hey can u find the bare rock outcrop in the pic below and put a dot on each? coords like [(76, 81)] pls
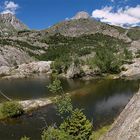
[(12, 56), (73, 71), (81, 15), (131, 71), (135, 46), (35, 103), (26, 70), (10, 20), (127, 126)]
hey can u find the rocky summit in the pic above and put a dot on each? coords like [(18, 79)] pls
[(81, 15), (9, 24)]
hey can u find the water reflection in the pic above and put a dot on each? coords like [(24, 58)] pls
[(102, 101), (112, 103)]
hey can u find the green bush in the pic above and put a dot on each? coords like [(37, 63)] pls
[(127, 54), (57, 65), (25, 138), (64, 105), (84, 51), (77, 125), (61, 64), (55, 87), (106, 60), (55, 134), (11, 109), (63, 102)]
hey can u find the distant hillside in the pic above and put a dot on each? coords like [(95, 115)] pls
[(81, 33), (77, 27)]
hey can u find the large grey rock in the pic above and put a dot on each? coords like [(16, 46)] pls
[(131, 71), (4, 70), (36, 103), (135, 46), (73, 71), (27, 70), (35, 67), (127, 126), (12, 56)]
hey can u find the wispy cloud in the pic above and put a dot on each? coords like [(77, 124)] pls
[(9, 7), (129, 16)]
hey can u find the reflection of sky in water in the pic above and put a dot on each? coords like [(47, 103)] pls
[(102, 101), (109, 104)]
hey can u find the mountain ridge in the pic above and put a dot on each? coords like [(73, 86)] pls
[(34, 43)]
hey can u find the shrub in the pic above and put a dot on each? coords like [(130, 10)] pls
[(77, 125), (55, 134), (64, 105), (84, 51), (61, 64), (55, 87), (11, 109), (107, 60), (25, 138), (57, 65), (128, 54), (63, 102)]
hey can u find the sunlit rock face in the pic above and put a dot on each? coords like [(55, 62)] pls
[(9, 24), (10, 19), (81, 15)]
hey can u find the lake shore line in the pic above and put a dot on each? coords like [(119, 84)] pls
[(31, 70)]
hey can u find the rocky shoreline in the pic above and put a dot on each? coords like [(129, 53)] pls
[(27, 70), (131, 71)]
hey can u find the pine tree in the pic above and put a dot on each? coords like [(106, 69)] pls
[(77, 125)]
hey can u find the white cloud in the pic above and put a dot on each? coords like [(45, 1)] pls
[(134, 11), (123, 16), (10, 7)]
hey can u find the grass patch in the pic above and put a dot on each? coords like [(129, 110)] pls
[(97, 134)]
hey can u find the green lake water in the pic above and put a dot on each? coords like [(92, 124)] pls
[(101, 101)]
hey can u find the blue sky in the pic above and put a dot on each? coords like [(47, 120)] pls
[(40, 14)]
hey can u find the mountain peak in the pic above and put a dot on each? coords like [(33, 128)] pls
[(10, 20), (81, 15)]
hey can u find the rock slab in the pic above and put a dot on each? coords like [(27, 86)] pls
[(127, 126)]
